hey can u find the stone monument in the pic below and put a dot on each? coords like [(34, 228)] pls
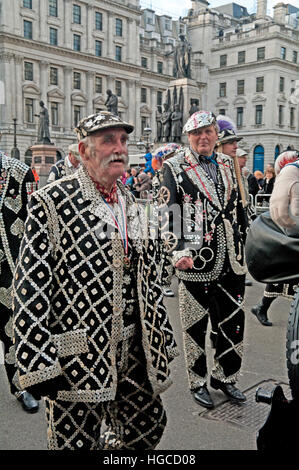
[(43, 151)]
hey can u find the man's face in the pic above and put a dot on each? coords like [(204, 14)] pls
[(107, 159), (242, 161), (203, 140), (230, 148)]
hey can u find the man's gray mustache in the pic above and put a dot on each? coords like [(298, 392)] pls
[(114, 157)]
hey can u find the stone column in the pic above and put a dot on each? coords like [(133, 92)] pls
[(89, 91), (5, 77), (89, 29), (153, 106), (131, 101), (110, 36), (43, 27), (137, 109), (68, 36), (67, 102), (44, 79), (18, 92)]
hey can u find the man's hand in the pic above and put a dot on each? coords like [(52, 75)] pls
[(184, 263), (285, 195)]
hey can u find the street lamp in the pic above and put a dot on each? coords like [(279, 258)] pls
[(147, 132), (15, 152)]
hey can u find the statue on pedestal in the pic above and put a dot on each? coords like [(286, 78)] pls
[(43, 133), (176, 124), (182, 59), (166, 123), (112, 103), (194, 107), (159, 124)]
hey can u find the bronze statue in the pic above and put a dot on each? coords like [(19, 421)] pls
[(182, 58), (43, 133), (159, 124), (166, 122), (176, 124), (112, 102)]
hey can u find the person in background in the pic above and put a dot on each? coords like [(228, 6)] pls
[(279, 209), (259, 175), (36, 177), (17, 183), (65, 166), (162, 154)]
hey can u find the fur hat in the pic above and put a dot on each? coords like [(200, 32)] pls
[(99, 121), (227, 130)]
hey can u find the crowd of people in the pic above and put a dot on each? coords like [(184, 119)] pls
[(84, 324)]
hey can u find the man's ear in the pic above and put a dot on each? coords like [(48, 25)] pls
[(82, 150)]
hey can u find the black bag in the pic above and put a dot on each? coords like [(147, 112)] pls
[(272, 255)]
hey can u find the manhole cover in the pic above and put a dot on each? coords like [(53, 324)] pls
[(250, 414)]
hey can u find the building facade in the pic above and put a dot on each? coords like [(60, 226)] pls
[(68, 53)]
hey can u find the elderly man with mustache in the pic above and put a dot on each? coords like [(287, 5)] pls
[(91, 332)]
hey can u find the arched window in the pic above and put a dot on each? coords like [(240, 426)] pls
[(258, 158), (277, 152)]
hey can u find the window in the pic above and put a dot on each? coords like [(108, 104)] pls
[(77, 42), (53, 76), (143, 123), (258, 114), (27, 4), (53, 36), (281, 83), (259, 84), (27, 29), (292, 117), (241, 57), (98, 48), (77, 80), (280, 115), (222, 89), (118, 53), (118, 27), (98, 84), (118, 87), (240, 87), (28, 71), (143, 95), (77, 114), (28, 109), (98, 21), (283, 53), (53, 10), (77, 14), (160, 67), (222, 111), (260, 55), (168, 25), (223, 60), (295, 57), (240, 114), (54, 114), (144, 62)]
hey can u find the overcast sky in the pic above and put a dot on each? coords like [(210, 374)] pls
[(179, 7)]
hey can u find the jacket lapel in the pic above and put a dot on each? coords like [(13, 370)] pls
[(200, 179)]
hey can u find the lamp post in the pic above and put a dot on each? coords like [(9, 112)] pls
[(15, 153)]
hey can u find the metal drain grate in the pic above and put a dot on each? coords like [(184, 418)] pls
[(250, 414)]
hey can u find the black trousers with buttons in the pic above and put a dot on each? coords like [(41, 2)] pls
[(222, 302)]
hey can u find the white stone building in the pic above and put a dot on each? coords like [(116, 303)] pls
[(68, 53), (250, 64)]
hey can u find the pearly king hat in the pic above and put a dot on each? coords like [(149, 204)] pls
[(199, 119), (227, 130), (99, 121)]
